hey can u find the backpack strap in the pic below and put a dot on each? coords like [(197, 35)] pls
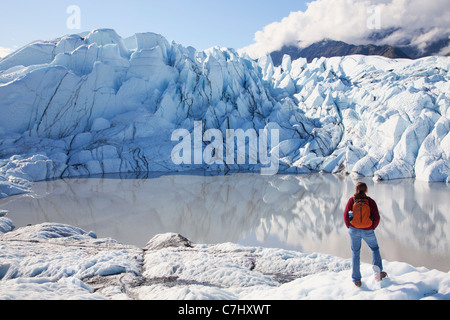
[(361, 199)]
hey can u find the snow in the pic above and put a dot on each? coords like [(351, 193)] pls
[(54, 261), (364, 116)]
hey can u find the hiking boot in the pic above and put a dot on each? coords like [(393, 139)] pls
[(358, 284), (381, 276)]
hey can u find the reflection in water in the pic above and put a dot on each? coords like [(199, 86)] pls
[(300, 212)]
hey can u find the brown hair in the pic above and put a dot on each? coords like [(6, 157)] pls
[(361, 190)]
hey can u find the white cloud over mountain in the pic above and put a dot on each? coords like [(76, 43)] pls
[(354, 21), (5, 51)]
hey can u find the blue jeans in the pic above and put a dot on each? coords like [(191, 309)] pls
[(369, 237)]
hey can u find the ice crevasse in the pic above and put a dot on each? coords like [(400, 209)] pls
[(99, 103)]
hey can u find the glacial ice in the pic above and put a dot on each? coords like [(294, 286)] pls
[(6, 225), (102, 104)]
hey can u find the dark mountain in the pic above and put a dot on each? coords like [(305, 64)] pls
[(331, 48), (430, 49)]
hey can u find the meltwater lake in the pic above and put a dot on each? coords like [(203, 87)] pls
[(294, 212)]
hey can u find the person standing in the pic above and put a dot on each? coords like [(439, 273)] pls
[(361, 217)]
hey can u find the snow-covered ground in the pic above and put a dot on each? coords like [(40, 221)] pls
[(97, 103), (54, 261)]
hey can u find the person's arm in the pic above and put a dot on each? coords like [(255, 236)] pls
[(375, 213), (348, 208)]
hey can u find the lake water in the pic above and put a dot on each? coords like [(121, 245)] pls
[(295, 212)]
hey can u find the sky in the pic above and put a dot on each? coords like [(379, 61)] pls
[(197, 23), (413, 22), (255, 27)]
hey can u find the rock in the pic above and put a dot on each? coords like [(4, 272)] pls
[(168, 240)]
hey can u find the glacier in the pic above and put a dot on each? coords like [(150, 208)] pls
[(98, 103)]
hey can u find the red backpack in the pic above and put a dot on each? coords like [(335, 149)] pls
[(362, 218)]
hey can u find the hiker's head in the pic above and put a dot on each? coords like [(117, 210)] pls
[(361, 190)]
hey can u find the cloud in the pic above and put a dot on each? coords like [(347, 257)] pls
[(354, 21), (5, 51), (445, 51)]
